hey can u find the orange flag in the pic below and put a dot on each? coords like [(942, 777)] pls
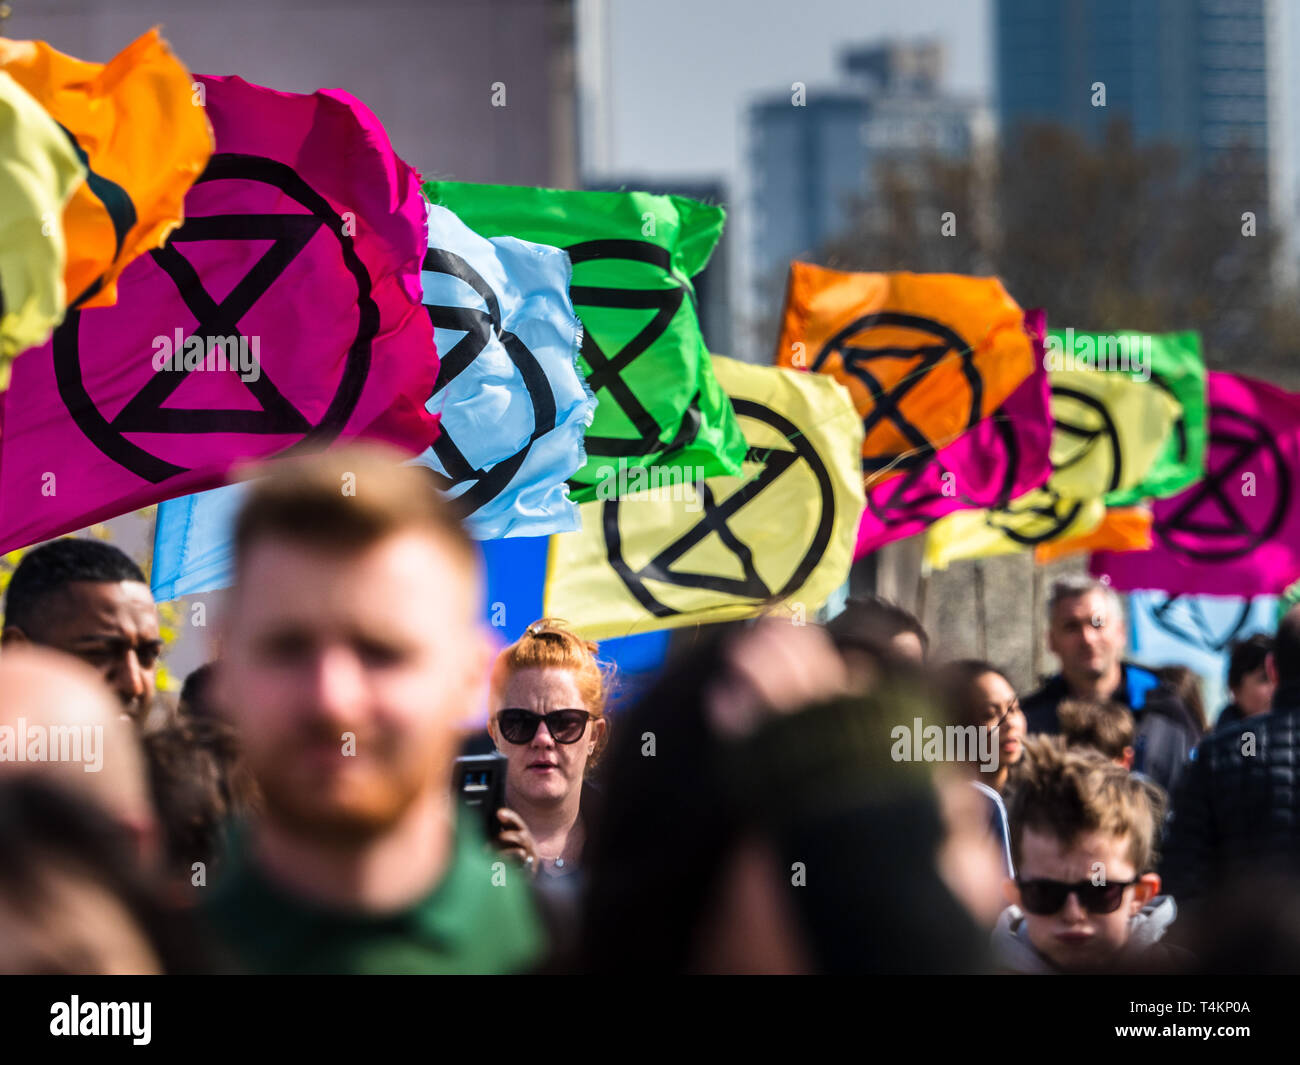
[(924, 356), (139, 129), (1123, 529)]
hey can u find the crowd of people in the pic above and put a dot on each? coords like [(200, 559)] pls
[(748, 811)]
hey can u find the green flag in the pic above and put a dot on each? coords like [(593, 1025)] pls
[(633, 256), (1173, 363), (1287, 600)]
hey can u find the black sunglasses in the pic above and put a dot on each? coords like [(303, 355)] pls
[(1045, 897), (520, 726)]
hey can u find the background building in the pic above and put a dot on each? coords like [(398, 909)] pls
[(427, 70), (1204, 76), (713, 283), (813, 159)]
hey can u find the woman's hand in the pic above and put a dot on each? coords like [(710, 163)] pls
[(515, 841)]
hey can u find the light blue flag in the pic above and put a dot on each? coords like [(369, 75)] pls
[(1196, 631), (513, 401)]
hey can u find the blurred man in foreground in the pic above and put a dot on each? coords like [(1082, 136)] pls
[(88, 599), (352, 648)]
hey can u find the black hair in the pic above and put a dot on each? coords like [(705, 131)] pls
[(195, 699), (870, 622), (819, 787), (957, 685), (1247, 656), (47, 569)]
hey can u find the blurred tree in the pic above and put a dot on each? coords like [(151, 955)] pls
[(1110, 236)]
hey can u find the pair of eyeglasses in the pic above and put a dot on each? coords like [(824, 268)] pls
[(996, 723), (1045, 897), (520, 726)]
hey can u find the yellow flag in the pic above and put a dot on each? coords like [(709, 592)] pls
[(140, 131), (1109, 429), (38, 172), (780, 535), (925, 356)]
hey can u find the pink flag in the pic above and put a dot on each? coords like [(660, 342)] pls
[(284, 314), (1002, 457), (1237, 532)]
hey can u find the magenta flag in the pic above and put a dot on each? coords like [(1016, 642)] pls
[(1001, 457), (284, 315), (1237, 532)]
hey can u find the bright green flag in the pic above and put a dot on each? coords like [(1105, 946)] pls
[(634, 254), (1287, 600), (1173, 363)]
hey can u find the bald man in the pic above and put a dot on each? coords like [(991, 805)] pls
[(58, 719)]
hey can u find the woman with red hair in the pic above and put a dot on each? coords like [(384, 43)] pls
[(548, 719)]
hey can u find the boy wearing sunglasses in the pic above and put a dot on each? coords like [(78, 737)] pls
[(1083, 837)]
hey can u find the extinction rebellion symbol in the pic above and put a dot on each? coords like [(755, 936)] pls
[(606, 369), (869, 364), (273, 413), (749, 586), (481, 328), (1213, 521), (1083, 430)]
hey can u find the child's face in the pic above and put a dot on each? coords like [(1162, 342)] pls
[(1072, 938)]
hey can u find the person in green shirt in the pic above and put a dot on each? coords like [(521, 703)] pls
[(351, 649)]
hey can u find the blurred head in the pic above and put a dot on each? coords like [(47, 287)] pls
[(1186, 684), (1085, 628), (72, 900), (549, 670), (1104, 727), (352, 642), (871, 630), (86, 598), (199, 785), (1083, 835), (752, 803), (1248, 678), (980, 694), (86, 744)]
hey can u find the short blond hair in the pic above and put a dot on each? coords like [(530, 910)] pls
[(1064, 793)]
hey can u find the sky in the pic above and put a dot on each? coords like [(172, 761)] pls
[(679, 76), (681, 72)]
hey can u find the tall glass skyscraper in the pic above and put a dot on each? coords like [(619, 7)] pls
[(1194, 73)]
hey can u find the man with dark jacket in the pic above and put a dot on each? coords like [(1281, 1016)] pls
[(1237, 808), (1086, 631)]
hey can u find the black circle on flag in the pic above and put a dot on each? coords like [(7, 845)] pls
[(1083, 429), (606, 367), (1183, 618), (480, 327), (714, 519), (276, 414), (942, 343), (1207, 523), (900, 500)]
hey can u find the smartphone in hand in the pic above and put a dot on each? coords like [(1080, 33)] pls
[(479, 785)]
